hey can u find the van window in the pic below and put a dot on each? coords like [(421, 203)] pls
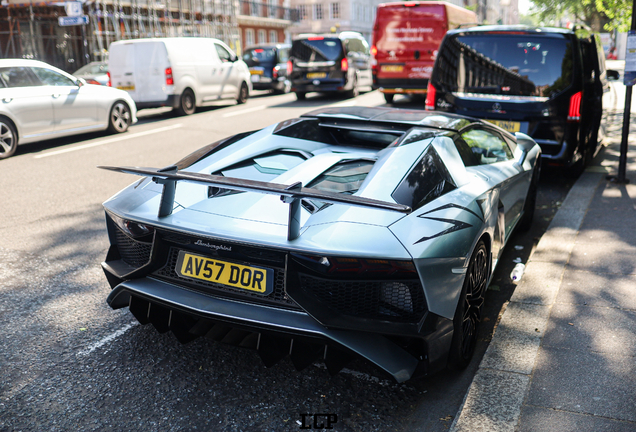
[(521, 65), (224, 54), (257, 56), (317, 49), (283, 55)]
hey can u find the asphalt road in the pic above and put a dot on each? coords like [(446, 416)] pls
[(69, 362)]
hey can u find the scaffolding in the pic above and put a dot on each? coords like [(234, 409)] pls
[(112, 20)]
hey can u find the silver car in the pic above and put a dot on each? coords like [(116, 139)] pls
[(42, 102)]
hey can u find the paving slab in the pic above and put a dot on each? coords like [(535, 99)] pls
[(598, 329), (611, 257), (597, 289), (539, 284), (536, 419), (584, 382)]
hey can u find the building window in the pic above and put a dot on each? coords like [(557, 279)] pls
[(261, 37), (249, 37), (302, 12), (318, 12), (272, 8), (334, 11), (273, 36)]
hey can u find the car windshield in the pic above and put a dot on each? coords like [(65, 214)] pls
[(258, 56), (92, 69), (508, 64), (317, 49)]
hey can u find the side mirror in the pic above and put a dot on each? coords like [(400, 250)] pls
[(526, 144), (80, 82), (613, 75)]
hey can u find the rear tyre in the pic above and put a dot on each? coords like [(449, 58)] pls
[(120, 117), (187, 103), (8, 139), (243, 94), (531, 199), (468, 313), (388, 97), (355, 91), (301, 95)]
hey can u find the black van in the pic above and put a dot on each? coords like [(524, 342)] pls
[(546, 82), (330, 63), (268, 66)]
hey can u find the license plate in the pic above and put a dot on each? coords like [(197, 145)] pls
[(254, 279), (391, 68), (127, 88), (316, 75), (510, 126), (256, 72)]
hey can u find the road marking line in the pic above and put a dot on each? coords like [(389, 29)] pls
[(344, 104), (106, 340), (107, 141), (245, 111)]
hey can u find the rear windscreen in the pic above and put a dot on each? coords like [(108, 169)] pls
[(259, 56), (319, 49), (508, 64)]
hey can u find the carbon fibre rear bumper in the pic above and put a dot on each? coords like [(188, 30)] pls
[(375, 348)]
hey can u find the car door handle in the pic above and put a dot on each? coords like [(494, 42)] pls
[(7, 100), (55, 96)]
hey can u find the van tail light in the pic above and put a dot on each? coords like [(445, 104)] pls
[(110, 83), (290, 67), (344, 65), (169, 80), (374, 50), (275, 73), (574, 114), (431, 93)]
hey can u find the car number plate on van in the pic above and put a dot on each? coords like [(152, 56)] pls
[(255, 279), (127, 88), (313, 75), (256, 72), (391, 68), (510, 126)]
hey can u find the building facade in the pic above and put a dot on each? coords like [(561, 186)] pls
[(265, 22), (45, 31)]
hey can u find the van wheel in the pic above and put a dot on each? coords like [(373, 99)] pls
[(301, 95), (388, 97), (120, 117), (8, 139), (243, 94), (187, 103), (355, 91)]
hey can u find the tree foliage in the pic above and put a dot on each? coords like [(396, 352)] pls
[(598, 14), (618, 12)]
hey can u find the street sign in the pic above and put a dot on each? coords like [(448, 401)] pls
[(73, 8), (71, 21)]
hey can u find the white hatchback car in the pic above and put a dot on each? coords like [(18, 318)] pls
[(39, 102)]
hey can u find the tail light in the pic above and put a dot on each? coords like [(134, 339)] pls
[(574, 114), (359, 267), (431, 93), (344, 65), (110, 84), (374, 50), (290, 67), (275, 72), (169, 80)]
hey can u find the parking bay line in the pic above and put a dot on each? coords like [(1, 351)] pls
[(108, 141), (245, 111), (106, 340)]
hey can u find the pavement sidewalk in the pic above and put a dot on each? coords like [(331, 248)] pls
[(563, 356)]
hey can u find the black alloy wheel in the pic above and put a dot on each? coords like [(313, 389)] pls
[(120, 117), (243, 94), (187, 103), (8, 139), (468, 314)]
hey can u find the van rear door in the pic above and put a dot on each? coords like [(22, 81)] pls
[(139, 67)]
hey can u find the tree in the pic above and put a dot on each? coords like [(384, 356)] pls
[(618, 12), (578, 11)]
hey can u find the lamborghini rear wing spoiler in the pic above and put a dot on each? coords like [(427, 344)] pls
[(290, 194)]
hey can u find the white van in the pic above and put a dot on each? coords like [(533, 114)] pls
[(182, 72)]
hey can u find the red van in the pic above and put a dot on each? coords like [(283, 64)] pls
[(406, 36)]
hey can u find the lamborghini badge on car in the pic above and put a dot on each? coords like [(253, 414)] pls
[(347, 232)]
